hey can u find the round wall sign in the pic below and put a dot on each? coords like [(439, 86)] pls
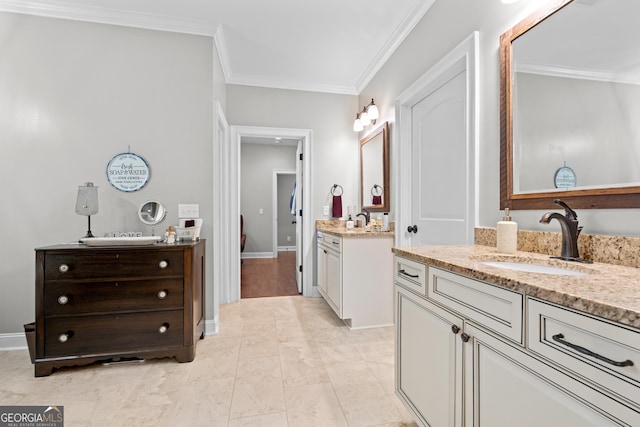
[(127, 172), (565, 178)]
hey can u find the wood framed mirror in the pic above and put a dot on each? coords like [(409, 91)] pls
[(564, 111), (374, 170)]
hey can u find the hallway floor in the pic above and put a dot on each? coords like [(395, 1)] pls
[(269, 277), (282, 362)]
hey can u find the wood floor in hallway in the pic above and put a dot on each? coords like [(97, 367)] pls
[(269, 277)]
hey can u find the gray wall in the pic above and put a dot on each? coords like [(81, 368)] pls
[(334, 148), (257, 163), (72, 95), (444, 26)]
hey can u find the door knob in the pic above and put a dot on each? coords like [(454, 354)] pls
[(412, 228)]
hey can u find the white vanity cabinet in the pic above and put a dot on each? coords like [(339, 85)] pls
[(466, 355), (355, 278)]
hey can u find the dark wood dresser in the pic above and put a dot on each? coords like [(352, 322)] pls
[(118, 302)]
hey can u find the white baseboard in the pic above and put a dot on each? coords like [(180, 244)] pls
[(257, 255), (286, 248), (211, 327), (17, 341)]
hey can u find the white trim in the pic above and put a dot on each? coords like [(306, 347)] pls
[(101, 15), (546, 70), (467, 51), (211, 327), (14, 341), (410, 20), (286, 248), (308, 229), (254, 255)]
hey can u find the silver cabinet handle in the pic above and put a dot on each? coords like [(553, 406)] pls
[(63, 337), (163, 264), (163, 328), (162, 294), (63, 299), (63, 268)]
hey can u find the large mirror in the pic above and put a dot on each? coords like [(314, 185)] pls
[(570, 102), (374, 170)]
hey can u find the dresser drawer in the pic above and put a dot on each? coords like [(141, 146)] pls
[(103, 297), (490, 306), (112, 263), (410, 275), (85, 335), (598, 350)]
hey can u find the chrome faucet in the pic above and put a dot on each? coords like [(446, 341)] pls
[(367, 216), (570, 231)]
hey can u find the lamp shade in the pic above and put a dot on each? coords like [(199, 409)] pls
[(87, 200), (373, 112), (357, 124), (364, 118)]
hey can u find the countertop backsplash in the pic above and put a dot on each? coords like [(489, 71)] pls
[(617, 250)]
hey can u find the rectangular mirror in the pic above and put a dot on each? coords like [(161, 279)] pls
[(374, 170), (570, 95)]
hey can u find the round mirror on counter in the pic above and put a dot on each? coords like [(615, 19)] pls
[(152, 212)]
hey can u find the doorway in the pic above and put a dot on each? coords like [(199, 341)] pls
[(305, 243), (438, 139)]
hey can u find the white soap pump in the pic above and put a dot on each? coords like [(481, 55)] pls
[(507, 234)]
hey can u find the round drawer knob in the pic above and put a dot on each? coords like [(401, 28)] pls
[(63, 268), (63, 299), (63, 337), (465, 337), (163, 328), (163, 264), (162, 294)]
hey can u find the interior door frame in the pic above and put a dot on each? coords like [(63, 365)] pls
[(402, 173), (308, 228)]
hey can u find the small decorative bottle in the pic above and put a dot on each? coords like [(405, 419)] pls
[(507, 234)]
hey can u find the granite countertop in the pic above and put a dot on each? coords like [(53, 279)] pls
[(605, 290), (354, 232)]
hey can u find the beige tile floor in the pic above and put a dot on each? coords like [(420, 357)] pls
[(285, 361)]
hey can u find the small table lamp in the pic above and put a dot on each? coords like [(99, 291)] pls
[(87, 203)]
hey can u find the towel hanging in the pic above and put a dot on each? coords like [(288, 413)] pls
[(336, 209)]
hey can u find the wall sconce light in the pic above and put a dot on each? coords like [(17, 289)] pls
[(87, 203), (367, 116)]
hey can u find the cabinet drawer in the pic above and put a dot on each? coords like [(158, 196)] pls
[(113, 333), (498, 309), (596, 347), (411, 275), (332, 242), (112, 263), (104, 297)]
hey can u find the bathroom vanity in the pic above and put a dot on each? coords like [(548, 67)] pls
[(354, 275), (117, 302), (482, 345)]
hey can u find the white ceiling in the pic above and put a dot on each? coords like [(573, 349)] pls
[(333, 46)]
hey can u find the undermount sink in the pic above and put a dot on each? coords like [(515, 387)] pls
[(533, 268)]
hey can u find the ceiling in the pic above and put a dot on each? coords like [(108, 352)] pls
[(333, 46)]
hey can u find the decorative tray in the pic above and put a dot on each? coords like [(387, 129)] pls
[(120, 241)]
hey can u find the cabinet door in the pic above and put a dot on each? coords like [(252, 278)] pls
[(322, 271), (428, 361), (511, 388), (334, 282)]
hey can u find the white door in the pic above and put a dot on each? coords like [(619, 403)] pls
[(439, 166), (298, 209), (437, 178)]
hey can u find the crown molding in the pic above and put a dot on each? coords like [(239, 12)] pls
[(56, 9), (246, 80), (552, 71), (410, 20)]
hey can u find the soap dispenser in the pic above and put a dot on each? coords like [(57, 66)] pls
[(507, 234), (350, 222)]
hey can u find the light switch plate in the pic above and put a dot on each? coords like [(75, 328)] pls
[(188, 211), (325, 210)]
